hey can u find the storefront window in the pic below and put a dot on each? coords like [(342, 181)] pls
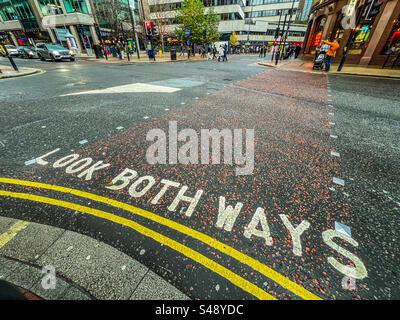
[(47, 7), (361, 37), (317, 36), (338, 30), (75, 6), (394, 38)]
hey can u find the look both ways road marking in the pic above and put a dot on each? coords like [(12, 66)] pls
[(190, 253), (128, 88)]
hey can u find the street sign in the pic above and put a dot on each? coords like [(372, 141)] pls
[(187, 32), (60, 33)]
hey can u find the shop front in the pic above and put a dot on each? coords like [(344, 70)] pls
[(372, 38)]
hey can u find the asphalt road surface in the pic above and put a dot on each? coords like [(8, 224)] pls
[(315, 216)]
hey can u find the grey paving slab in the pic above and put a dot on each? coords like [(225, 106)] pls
[(73, 293), (7, 266), (24, 276), (153, 287), (32, 242), (6, 223), (55, 293), (103, 271)]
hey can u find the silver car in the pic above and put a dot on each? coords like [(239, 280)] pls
[(53, 52), (12, 50), (28, 52)]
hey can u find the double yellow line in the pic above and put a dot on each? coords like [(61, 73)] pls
[(208, 263)]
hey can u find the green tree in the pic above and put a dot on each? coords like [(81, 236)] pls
[(192, 16)]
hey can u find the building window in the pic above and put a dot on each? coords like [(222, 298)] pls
[(75, 6), (164, 7), (262, 2), (229, 16), (49, 6), (22, 10), (267, 13), (7, 11)]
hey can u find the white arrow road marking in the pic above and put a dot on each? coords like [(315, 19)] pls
[(128, 88)]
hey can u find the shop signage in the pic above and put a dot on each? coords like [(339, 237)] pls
[(60, 33)]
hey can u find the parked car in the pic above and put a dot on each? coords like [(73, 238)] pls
[(54, 52), (27, 52), (12, 50)]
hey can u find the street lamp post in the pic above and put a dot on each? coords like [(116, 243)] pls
[(134, 35), (351, 38), (288, 26), (278, 54), (277, 31)]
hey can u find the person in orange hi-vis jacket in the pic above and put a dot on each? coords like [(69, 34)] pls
[(331, 52)]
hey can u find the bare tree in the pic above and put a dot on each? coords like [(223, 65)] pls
[(161, 22), (113, 13)]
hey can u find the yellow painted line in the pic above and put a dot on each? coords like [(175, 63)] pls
[(28, 75), (190, 253), (256, 265), (10, 233)]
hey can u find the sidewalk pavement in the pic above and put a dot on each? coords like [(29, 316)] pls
[(9, 72), (306, 66), (165, 57), (85, 268)]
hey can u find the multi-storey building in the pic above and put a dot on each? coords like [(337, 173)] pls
[(30, 21), (254, 21)]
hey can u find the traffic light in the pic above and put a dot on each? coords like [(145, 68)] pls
[(149, 27), (373, 9), (277, 32), (275, 43)]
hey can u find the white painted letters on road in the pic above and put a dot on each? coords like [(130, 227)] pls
[(251, 229), (227, 215), (359, 272)]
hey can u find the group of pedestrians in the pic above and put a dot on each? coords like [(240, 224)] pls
[(209, 52), (327, 48), (118, 49), (291, 52)]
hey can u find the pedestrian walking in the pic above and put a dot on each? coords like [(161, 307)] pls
[(118, 49), (220, 53), (209, 57), (182, 49), (333, 46), (214, 52), (225, 56), (297, 51)]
